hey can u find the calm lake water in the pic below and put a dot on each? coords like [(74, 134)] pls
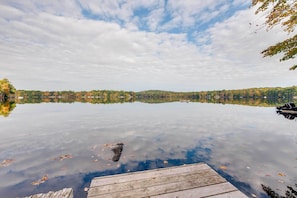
[(71, 144)]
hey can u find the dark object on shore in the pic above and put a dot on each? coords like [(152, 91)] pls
[(287, 108), (117, 150), (289, 116)]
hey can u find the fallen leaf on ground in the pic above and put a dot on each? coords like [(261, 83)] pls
[(44, 178), (281, 174), (36, 183), (40, 181), (6, 162), (62, 157), (223, 167), (65, 157)]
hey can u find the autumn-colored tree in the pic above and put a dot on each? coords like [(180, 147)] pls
[(282, 12), (6, 108), (6, 88)]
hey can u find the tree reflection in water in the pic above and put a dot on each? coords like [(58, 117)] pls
[(290, 192), (6, 108)]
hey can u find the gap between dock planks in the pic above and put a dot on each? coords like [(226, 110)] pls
[(195, 180)]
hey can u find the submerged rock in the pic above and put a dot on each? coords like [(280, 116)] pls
[(117, 150)]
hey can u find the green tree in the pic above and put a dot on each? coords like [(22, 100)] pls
[(282, 12)]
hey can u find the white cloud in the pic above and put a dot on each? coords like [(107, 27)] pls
[(41, 49), (187, 13), (238, 39), (55, 7), (153, 20)]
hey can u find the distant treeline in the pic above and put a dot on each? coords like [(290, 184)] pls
[(254, 96), (95, 96), (251, 97), (9, 96), (8, 92), (252, 93)]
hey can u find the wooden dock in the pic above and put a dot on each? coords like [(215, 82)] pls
[(64, 193), (195, 180)]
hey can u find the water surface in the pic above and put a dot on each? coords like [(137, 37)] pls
[(71, 144)]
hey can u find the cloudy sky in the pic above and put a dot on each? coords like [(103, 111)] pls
[(179, 45)]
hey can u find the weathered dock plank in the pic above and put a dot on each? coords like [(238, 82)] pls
[(148, 174), (195, 180), (202, 191), (64, 193)]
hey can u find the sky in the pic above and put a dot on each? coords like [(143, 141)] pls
[(135, 45)]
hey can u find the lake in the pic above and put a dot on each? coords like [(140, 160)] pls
[(49, 146)]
